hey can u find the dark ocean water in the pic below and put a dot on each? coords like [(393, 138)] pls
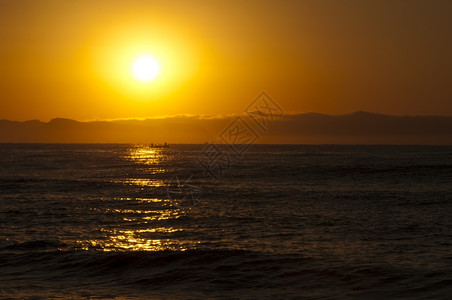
[(302, 222)]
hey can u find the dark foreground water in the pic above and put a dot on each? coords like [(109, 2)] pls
[(111, 221)]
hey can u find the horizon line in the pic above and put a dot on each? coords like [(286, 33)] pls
[(221, 116)]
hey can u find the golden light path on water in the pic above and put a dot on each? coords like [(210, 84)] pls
[(147, 155), (141, 182), (136, 228)]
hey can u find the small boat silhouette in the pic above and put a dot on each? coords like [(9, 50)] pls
[(165, 145)]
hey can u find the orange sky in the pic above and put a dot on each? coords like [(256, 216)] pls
[(73, 59)]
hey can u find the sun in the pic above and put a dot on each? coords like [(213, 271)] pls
[(146, 68)]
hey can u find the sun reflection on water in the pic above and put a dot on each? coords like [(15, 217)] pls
[(139, 229), (136, 240), (141, 182), (128, 240), (148, 155), (140, 224)]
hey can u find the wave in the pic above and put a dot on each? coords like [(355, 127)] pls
[(215, 272), (35, 245)]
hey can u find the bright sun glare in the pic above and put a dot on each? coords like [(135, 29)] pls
[(146, 68)]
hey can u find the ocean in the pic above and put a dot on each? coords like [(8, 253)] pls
[(107, 221)]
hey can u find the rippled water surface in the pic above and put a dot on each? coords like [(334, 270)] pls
[(134, 221)]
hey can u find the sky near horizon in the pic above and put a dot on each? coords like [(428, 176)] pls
[(74, 59)]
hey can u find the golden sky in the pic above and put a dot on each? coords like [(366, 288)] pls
[(74, 59)]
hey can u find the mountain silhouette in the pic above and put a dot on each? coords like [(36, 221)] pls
[(356, 128)]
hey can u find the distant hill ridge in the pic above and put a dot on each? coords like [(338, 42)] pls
[(358, 127)]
